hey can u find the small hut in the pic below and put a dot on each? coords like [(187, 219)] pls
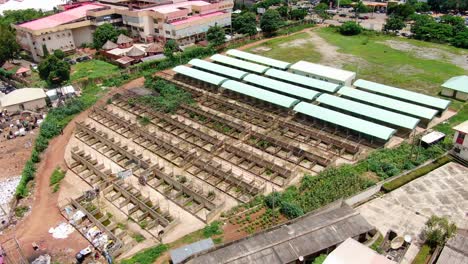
[(124, 41), (109, 45), (154, 49), (125, 61), (135, 53)]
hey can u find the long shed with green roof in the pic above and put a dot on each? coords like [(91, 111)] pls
[(303, 81), (456, 87), (259, 59)]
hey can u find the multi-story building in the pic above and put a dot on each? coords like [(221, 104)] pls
[(460, 140), (149, 21)]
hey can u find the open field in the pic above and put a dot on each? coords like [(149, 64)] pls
[(410, 64), (92, 69)]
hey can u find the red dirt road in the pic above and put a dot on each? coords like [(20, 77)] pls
[(45, 212)]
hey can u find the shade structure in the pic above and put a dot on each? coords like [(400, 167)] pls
[(346, 121), (372, 112), (389, 103), (258, 59), (308, 82), (200, 75), (216, 68), (261, 94), (245, 65), (285, 88), (401, 94)]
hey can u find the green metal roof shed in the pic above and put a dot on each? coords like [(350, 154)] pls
[(283, 87), (200, 75), (397, 105), (216, 68), (308, 82), (458, 83), (417, 98), (249, 66), (369, 111), (346, 121), (259, 59), (260, 94)]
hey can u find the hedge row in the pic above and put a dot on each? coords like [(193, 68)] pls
[(397, 183), (52, 126)]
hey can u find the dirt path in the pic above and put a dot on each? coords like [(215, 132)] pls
[(45, 213)]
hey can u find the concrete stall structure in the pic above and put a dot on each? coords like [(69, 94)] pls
[(456, 87), (322, 72), (460, 140), (23, 99)]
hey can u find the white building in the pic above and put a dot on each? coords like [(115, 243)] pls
[(23, 99), (460, 140), (324, 73), (456, 87)]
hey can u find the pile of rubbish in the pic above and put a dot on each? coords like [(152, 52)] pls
[(62, 231), (43, 259), (15, 126)]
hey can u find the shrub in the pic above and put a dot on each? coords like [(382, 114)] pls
[(273, 200), (212, 229), (35, 156), (21, 210), (438, 230), (147, 256), (291, 210), (350, 28)]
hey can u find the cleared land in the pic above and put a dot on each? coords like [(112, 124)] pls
[(92, 69)]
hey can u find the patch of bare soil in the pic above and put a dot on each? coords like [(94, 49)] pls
[(330, 54), (14, 153), (295, 43), (429, 53)]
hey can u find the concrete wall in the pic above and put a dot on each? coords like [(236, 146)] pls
[(461, 96), (82, 35), (447, 92), (31, 105)]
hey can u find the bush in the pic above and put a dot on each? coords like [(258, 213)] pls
[(55, 179), (273, 200), (397, 183), (147, 256), (212, 229), (35, 156), (291, 210), (350, 28), (438, 230)]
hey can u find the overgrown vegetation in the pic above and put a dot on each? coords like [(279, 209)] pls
[(147, 256), (213, 229), (169, 99), (320, 259), (52, 126), (92, 69), (376, 245), (397, 183), (55, 179), (20, 211), (438, 230), (423, 255), (138, 237)]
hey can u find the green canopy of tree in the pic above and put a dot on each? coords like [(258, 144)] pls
[(361, 8), (59, 54), (350, 28), (267, 3), (426, 28), (394, 24), (456, 22), (402, 11), (447, 5), (9, 47), (245, 23), (438, 230), (16, 16), (321, 11), (54, 71), (270, 21), (283, 11), (170, 47), (461, 39), (298, 14), (216, 35), (104, 33)]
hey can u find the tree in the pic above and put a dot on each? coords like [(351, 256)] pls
[(401, 11), (461, 39), (298, 14), (54, 71), (394, 24), (438, 230), (104, 33), (45, 51), (456, 22), (421, 7), (350, 28), (9, 47), (283, 11), (321, 11), (216, 35), (245, 23), (59, 54), (170, 47), (16, 16), (271, 21)]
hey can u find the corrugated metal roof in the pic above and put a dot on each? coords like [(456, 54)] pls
[(178, 255), (458, 83), (213, 67), (369, 111), (403, 94), (261, 94), (200, 75), (322, 70), (303, 80), (400, 106), (22, 95), (259, 59), (344, 120), (281, 86), (257, 68)]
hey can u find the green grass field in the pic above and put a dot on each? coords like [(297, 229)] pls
[(92, 69), (290, 49)]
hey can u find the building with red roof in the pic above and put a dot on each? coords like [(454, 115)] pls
[(184, 21)]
